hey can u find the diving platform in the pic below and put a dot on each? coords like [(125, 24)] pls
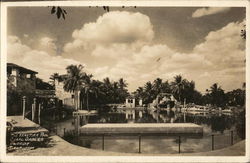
[(166, 129)]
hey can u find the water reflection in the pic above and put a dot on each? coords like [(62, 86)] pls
[(217, 122), (213, 123)]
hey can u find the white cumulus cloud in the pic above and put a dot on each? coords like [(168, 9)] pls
[(116, 27), (220, 58), (209, 11), (36, 60), (224, 47), (48, 44), (121, 44)]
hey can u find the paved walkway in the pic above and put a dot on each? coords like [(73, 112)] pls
[(60, 147), (25, 125)]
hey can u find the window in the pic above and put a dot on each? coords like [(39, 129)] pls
[(28, 76)]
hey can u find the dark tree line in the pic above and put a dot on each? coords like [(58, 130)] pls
[(184, 90), (96, 92), (92, 91)]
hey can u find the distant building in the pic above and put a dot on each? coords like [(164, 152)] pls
[(22, 87), (140, 102), (21, 82), (130, 102), (68, 98), (20, 77), (164, 100)]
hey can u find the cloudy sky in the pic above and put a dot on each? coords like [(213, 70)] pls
[(138, 44)]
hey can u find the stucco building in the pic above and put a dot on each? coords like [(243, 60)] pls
[(68, 98), (21, 78)]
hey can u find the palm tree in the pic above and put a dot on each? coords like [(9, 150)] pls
[(148, 87), (53, 77), (122, 91), (149, 92), (106, 81), (157, 85), (75, 79), (177, 86), (122, 83), (217, 94), (87, 88), (139, 92), (107, 86), (115, 92), (188, 91), (214, 87), (166, 87), (91, 86)]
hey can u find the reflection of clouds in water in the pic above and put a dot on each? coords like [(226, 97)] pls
[(159, 145), (196, 145), (152, 145), (122, 145), (206, 129)]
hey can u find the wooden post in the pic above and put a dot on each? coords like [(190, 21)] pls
[(103, 142), (32, 112), (212, 142), (39, 112), (232, 137), (179, 144), (56, 130), (184, 116), (78, 100), (77, 124), (139, 143), (24, 101)]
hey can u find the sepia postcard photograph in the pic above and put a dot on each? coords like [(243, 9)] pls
[(146, 81)]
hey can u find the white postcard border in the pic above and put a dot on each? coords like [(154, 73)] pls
[(5, 158)]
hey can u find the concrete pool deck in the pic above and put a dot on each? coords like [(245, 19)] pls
[(25, 125), (60, 147), (142, 128)]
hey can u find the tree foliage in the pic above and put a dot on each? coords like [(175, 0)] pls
[(184, 90), (243, 32), (179, 87), (61, 13), (58, 11), (40, 84), (96, 92), (92, 91)]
